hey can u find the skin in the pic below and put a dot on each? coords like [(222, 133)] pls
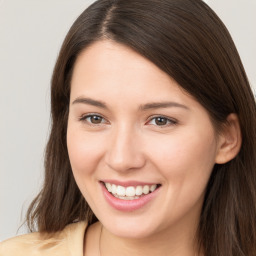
[(126, 143)]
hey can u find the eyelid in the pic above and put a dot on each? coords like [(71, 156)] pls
[(83, 118), (172, 121)]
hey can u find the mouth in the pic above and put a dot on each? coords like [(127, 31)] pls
[(130, 192)]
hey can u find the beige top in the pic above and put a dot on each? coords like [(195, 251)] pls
[(68, 242)]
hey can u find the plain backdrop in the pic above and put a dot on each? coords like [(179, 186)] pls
[(31, 33)]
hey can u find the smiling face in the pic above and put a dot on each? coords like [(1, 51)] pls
[(134, 132)]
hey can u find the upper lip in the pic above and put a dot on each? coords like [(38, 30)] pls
[(129, 183)]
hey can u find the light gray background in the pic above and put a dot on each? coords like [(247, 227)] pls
[(31, 33)]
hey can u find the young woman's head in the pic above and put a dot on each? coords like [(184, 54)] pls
[(152, 93)]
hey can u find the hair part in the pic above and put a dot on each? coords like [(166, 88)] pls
[(189, 42)]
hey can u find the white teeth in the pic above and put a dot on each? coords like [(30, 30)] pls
[(146, 189), (113, 188), (127, 197), (139, 191), (153, 187), (131, 192), (109, 187), (120, 191)]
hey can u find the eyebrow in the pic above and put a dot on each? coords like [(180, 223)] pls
[(90, 101), (145, 107), (156, 105)]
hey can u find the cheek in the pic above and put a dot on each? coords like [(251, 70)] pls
[(185, 158), (84, 152), (185, 163)]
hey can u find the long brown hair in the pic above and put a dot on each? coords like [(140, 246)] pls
[(187, 40)]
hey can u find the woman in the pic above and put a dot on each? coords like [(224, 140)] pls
[(152, 147)]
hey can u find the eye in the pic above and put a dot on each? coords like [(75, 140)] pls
[(93, 119), (161, 121)]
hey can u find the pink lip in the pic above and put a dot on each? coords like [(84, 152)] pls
[(127, 205)]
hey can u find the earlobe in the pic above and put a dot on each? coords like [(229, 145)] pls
[(230, 140)]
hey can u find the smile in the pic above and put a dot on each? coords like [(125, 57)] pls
[(129, 196), (130, 192)]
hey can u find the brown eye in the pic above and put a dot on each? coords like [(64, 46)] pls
[(95, 119), (161, 121)]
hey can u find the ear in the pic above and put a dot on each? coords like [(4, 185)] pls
[(229, 141)]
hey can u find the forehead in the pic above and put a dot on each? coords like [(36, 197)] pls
[(111, 57), (124, 82), (110, 67)]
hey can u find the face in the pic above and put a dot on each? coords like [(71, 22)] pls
[(141, 149)]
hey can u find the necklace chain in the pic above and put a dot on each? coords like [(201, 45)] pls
[(100, 240)]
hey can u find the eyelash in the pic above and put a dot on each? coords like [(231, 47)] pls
[(85, 117), (170, 122)]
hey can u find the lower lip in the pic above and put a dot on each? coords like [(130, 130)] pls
[(128, 205)]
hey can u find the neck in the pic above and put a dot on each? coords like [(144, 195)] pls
[(178, 244)]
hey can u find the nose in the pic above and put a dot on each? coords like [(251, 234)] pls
[(125, 150)]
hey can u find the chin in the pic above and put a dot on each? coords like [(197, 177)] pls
[(131, 228)]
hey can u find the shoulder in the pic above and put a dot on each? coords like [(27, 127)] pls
[(37, 244)]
